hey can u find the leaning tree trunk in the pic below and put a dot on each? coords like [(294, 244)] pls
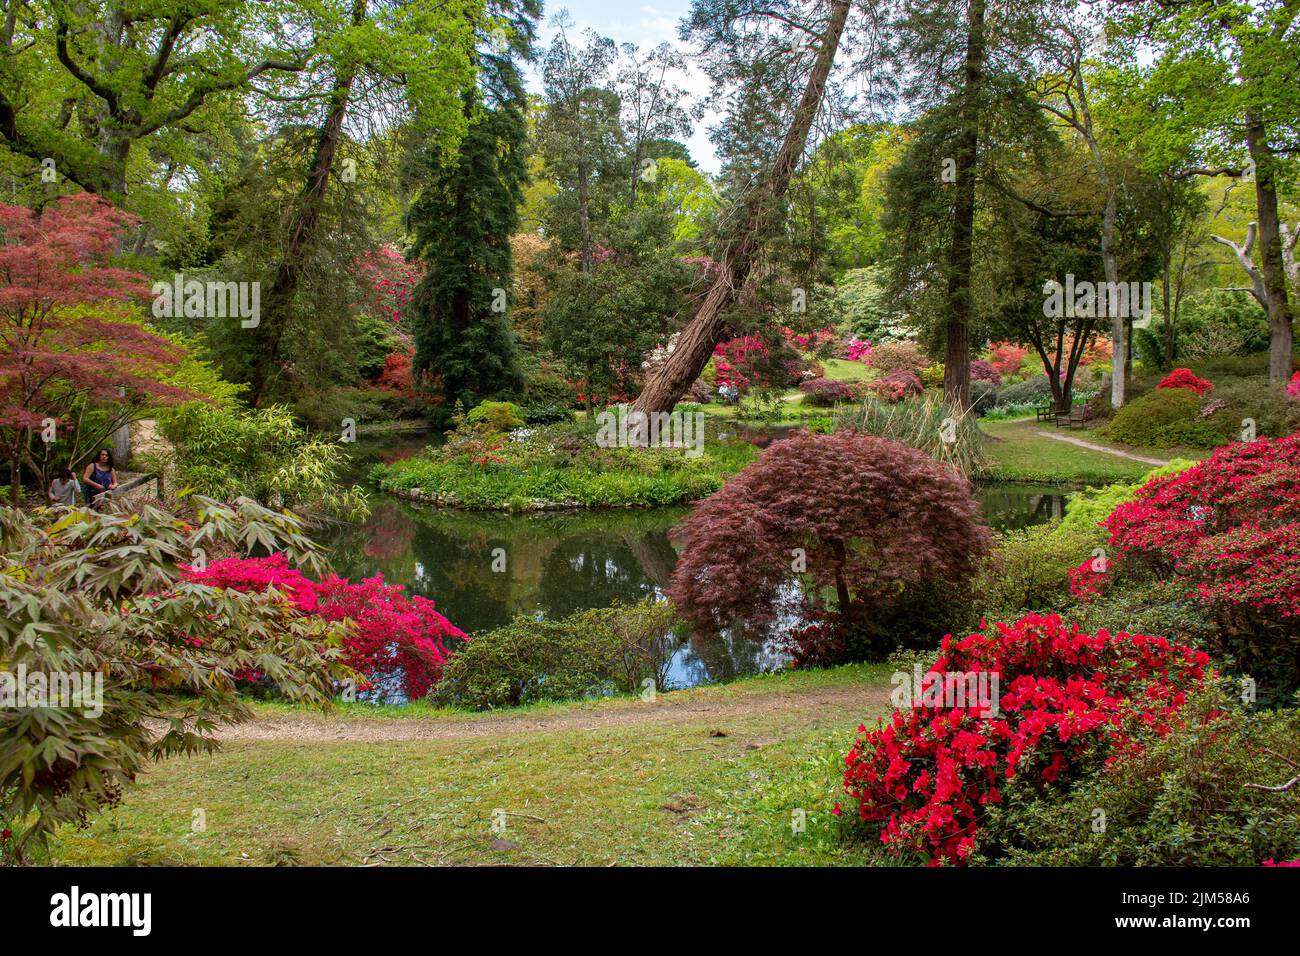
[(302, 231), (956, 359), (1281, 334), (696, 340)]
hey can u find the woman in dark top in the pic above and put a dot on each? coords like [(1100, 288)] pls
[(99, 477)]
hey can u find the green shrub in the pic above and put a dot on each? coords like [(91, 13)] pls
[(983, 395), (588, 654), (1255, 397), (546, 414), (1030, 391), (1088, 508), (499, 416), (102, 594), (1027, 569), (226, 452), (1147, 607), (932, 375), (1156, 418), (547, 389), (1190, 799)]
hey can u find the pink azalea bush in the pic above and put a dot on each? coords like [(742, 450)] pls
[(858, 350), (393, 634)]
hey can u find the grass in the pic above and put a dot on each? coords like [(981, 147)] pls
[(1019, 453), (705, 789), (563, 465)]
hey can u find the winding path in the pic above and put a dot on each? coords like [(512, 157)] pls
[(1102, 448), (678, 706)]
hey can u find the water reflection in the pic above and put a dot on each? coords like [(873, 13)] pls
[(559, 563)]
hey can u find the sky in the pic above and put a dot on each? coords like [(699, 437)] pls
[(647, 25)]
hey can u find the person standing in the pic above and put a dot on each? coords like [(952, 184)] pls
[(100, 476)]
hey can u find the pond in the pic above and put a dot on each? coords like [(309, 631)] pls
[(555, 563)]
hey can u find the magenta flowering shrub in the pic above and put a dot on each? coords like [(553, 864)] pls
[(393, 635)]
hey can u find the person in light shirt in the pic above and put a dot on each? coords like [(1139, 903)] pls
[(64, 488)]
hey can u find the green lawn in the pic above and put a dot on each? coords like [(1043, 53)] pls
[(710, 786), (1018, 453), (845, 371)]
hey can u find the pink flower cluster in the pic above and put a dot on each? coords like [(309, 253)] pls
[(858, 350), (392, 634)]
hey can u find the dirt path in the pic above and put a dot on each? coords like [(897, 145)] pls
[(680, 707), (1102, 448)]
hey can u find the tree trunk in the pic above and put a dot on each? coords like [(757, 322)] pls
[(956, 361), (1118, 346), (1281, 335), (302, 231), (695, 343)]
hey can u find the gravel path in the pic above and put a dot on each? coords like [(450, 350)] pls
[(1102, 448)]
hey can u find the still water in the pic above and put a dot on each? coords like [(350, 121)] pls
[(560, 562)]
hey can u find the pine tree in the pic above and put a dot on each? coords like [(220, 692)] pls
[(461, 223)]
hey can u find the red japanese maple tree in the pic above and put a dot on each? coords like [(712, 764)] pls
[(862, 517), (64, 343)]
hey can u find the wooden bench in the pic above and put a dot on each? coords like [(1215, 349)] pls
[(1045, 412), (1076, 417)]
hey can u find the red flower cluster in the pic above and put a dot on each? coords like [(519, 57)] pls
[(1068, 699), (809, 342), (1293, 386), (735, 362), (1230, 527), (1086, 581), (1007, 358), (388, 281), (1184, 378), (393, 634)]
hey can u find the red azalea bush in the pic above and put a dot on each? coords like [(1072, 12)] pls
[(1229, 530), (1007, 357), (982, 371), (826, 391), (1068, 701), (897, 385), (742, 362), (807, 342), (1086, 581), (858, 350), (393, 634), (1185, 378), (1229, 526), (1293, 387)]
